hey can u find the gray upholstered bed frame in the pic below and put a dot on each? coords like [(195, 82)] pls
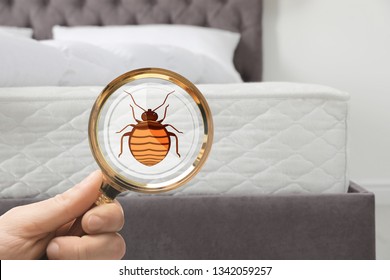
[(241, 16), (263, 227)]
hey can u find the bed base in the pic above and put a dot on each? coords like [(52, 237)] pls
[(326, 226)]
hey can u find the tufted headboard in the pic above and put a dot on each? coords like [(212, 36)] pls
[(243, 16)]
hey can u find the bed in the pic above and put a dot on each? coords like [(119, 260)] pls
[(275, 186)]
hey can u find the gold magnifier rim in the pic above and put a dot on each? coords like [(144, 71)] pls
[(118, 181)]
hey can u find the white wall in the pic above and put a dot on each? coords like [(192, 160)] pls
[(344, 44)]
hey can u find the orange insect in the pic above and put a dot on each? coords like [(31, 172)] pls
[(149, 140)]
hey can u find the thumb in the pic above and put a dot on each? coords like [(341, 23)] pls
[(50, 214)]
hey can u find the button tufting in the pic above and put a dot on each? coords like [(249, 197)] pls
[(114, 2), (45, 3), (8, 2), (81, 3)]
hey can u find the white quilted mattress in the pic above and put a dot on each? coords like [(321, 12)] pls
[(270, 138)]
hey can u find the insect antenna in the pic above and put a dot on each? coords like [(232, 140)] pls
[(164, 100), (135, 102)]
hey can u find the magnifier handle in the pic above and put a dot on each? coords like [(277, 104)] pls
[(76, 229)]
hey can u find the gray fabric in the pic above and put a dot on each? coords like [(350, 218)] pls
[(337, 226), (235, 15)]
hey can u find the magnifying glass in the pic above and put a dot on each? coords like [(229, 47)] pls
[(150, 131)]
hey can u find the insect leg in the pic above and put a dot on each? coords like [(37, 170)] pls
[(123, 136), (125, 128), (177, 142), (165, 125), (165, 114)]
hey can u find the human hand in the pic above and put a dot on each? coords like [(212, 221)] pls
[(30, 231)]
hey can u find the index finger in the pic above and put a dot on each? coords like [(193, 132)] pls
[(50, 214)]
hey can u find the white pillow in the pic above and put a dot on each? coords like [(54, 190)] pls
[(196, 67), (17, 31), (217, 44), (26, 62), (87, 64), (94, 65), (172, 58), (97, 65)]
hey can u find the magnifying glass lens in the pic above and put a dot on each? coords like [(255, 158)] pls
[(150, 131)]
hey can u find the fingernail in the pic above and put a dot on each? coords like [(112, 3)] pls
[(90, 176), (87, 179), (53, 250), (95, 223)]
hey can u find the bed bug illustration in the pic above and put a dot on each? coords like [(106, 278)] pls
[(149, 140)]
